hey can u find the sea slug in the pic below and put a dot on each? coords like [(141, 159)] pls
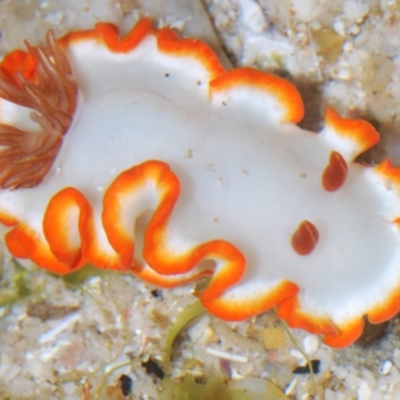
[(144, 155)]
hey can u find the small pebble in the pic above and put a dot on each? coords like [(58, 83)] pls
[(348, 46), (354, 30), (296, 354), (363, 392), (339, 27), (310, 344), (290, 388), (386, 367), (273, 338)]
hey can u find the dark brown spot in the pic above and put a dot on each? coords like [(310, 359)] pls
[(305, 238), (126, 384), (152, 367), (51, 95), (335, 172)]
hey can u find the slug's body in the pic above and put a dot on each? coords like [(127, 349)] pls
[(172, 168)]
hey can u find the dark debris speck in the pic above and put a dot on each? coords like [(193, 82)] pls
[(126, 384), (156, 293), (152, 367), (306, 369)]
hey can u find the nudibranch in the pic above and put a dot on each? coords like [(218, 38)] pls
[(142, 154)]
